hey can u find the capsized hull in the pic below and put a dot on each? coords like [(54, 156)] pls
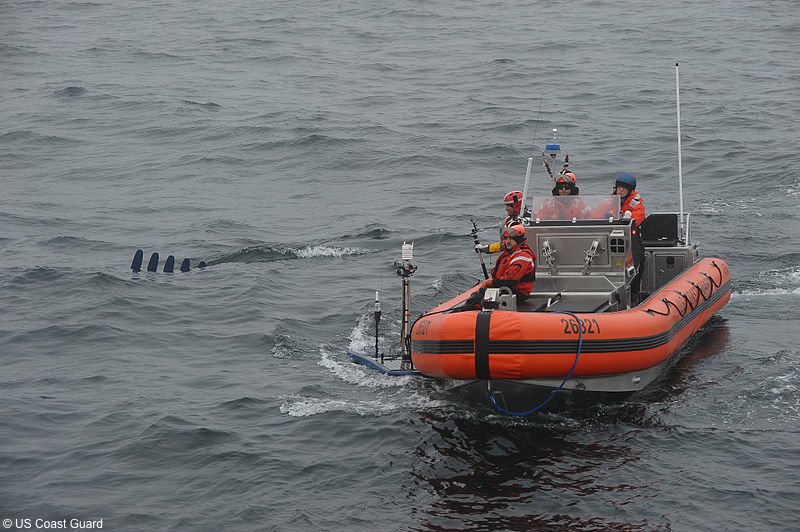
[(619, 351)]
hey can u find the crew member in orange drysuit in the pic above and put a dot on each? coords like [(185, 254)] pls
[(516, 267), (563, 209), (513, 202)]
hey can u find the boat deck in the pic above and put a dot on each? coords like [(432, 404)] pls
[(572, 302)]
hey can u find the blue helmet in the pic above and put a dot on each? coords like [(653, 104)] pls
[(626, 180)]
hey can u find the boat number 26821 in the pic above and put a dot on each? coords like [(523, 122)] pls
[(587, 326)]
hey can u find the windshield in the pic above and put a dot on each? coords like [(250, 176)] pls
[(574, 207)]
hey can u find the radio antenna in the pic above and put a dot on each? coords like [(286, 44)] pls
[(680, 167), (530, 159), (536, 125)]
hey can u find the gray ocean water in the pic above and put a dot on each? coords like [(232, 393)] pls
[(294, 146)]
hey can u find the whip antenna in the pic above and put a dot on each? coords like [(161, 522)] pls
[(680, 167), (536, 125), (530, 159)]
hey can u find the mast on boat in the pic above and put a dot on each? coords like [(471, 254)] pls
[(683, 230)]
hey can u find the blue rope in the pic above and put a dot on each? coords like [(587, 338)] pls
[(555, 392)]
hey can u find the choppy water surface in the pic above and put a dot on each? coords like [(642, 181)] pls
[(294, 147)]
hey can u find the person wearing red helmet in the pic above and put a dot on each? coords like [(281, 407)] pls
[(516, 267), (566, 208), (513, 203), (566, 185)]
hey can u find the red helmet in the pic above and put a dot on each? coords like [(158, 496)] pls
[(567, 177), (517, 232), (514, 198)]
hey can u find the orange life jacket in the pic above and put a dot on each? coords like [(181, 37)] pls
[(516, 270), (634, 203)]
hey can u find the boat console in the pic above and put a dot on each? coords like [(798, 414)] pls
[(585, 254)]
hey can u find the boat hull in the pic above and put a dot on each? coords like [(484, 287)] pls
[(611, 351)]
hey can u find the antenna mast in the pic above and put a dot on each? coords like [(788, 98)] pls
[(680, 166), (530, 160)]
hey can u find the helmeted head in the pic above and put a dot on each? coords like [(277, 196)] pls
[(513, 200), (627, 181), (566, 185), (512, 236)]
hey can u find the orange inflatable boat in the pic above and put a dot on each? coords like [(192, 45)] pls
[(620, 351), (581, 328), (613, 303), (581, 332)]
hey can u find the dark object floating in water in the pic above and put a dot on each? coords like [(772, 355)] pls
[(136, 265), (169, 264), (153, 264)]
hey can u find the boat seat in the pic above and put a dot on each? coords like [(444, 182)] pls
[(574, 302), (660, 230)]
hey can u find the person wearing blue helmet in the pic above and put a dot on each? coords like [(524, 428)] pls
[(632, 203), (632, 207)]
